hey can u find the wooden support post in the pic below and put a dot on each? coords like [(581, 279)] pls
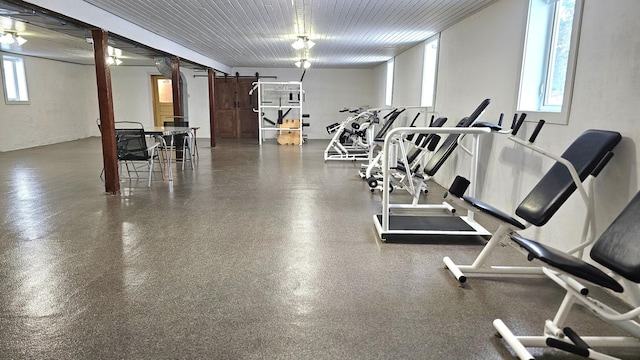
[(177, 90), (105, 103), (212, 123)]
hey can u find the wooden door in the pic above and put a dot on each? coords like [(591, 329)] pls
[(162, 93), (225, 108), (247, 118), (234, 108)]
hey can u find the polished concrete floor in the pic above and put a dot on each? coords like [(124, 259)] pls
[(258, 253)]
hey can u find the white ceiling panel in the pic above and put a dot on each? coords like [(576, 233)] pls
[(259, 33)]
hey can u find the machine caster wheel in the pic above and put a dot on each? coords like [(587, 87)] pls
[(373, 182), (390, 188)]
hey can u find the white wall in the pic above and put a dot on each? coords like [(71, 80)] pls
[(327, 91), (480, 58), (132, 99), (379, 76), (63, 106)]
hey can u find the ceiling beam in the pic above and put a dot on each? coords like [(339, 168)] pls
[(90, 14)]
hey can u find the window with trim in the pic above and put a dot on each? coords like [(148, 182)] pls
[(389, 86), (429, 71), (15, 80), (548, 65)]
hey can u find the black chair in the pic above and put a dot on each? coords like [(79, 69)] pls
[(618, 251), (180, 143), (132, 149), (587, 155)]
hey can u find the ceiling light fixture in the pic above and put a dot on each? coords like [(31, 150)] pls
[(303, 63), (12, 37), (302, 42)]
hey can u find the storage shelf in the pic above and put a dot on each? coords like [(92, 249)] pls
[(276, 96)]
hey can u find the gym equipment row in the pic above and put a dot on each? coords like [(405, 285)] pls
[(407, 165)]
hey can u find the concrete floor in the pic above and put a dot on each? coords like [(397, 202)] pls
[(259, 253)]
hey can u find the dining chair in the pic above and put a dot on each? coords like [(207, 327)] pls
[(133, 151)]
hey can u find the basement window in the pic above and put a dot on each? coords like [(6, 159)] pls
[(429, 71), (389, 86), (15, 80), (548, 65)]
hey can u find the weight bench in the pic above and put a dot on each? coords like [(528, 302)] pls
[(583, 159), (617, 250)]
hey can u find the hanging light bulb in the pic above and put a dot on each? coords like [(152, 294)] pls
[(7, 39), (298, 44), (20, 40), (310, 44), (306, 64), (298, 63)]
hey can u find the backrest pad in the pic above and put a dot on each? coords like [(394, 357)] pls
[(555, 187), (618, 248)]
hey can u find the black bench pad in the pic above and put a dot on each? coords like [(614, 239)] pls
[(567, 263), (585, 153), (488, 209)]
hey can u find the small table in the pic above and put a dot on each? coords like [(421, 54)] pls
[(167, 131)]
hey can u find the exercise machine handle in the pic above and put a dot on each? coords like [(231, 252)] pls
[(558, 344), (500, 119), (515, 121), (536, 131), (519, 123)]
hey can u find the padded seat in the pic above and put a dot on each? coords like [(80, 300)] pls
[(567, 263), (486, 208)]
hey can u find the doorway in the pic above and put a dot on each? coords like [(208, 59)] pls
[(162, 93), (234, 106)]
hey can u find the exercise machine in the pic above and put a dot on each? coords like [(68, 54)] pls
[(617, 250), (583, 160), (353, 137), (399, 220)]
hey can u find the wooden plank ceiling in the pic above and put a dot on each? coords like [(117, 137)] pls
[(259, 33)]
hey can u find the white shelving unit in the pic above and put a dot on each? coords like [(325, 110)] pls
[(279, 102)]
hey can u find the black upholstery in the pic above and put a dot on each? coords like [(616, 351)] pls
[(445, 150), (493, 211), (387, 125), (618, 248), (567, 263), (585, 153), (451, 142), (131, 145), (178, 138), (423, 140)]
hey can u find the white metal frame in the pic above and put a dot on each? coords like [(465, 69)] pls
[(382, 227), (335, 150), (504, 230), (627, 322), (262, 87)]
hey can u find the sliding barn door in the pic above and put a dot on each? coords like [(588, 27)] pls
[(234, 108)]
